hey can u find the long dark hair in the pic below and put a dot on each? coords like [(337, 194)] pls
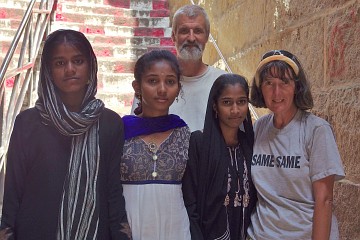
[(214, 153), (217, 89)]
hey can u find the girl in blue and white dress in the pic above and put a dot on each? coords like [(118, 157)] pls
[(155, 152)]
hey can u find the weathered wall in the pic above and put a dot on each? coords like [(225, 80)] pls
[(325, 35)]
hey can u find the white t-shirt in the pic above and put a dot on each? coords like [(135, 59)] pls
[(285, 163), (192, 101)]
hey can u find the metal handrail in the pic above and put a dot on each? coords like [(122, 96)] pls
[(213, 41), (34, 26)]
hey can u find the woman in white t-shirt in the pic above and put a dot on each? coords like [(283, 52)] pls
[(295, 160)]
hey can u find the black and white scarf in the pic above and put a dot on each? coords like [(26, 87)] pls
[(78, 211)]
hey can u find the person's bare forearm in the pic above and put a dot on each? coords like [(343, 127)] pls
[(322, 220), (323, 194)]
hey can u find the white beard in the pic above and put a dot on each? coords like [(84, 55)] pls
[(192, 53)]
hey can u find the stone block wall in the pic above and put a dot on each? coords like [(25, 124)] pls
[(325, 35)]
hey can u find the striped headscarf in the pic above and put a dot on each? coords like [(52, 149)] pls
[(78, 211)]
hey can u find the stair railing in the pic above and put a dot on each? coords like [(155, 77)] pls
[(228, 69), (34, 26)]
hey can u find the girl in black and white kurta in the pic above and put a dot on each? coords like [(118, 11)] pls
[(217, 186)]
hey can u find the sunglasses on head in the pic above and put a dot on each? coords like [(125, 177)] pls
[(276, 55), (277, 52)]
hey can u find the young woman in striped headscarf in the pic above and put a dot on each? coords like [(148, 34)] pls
[(62, 177)]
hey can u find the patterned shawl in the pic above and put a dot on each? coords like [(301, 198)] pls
[(78, 212)]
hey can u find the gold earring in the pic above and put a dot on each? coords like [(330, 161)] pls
[(138, 95)]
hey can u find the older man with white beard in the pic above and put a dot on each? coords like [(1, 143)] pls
[(190, 33)]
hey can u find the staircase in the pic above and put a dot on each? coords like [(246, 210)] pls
[(119, 31)]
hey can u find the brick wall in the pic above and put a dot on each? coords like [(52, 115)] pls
[(119, 31)]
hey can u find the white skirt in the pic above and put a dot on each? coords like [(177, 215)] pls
[(156, 212)]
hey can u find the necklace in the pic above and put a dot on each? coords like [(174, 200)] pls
[(153, 148), (239, 200)]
